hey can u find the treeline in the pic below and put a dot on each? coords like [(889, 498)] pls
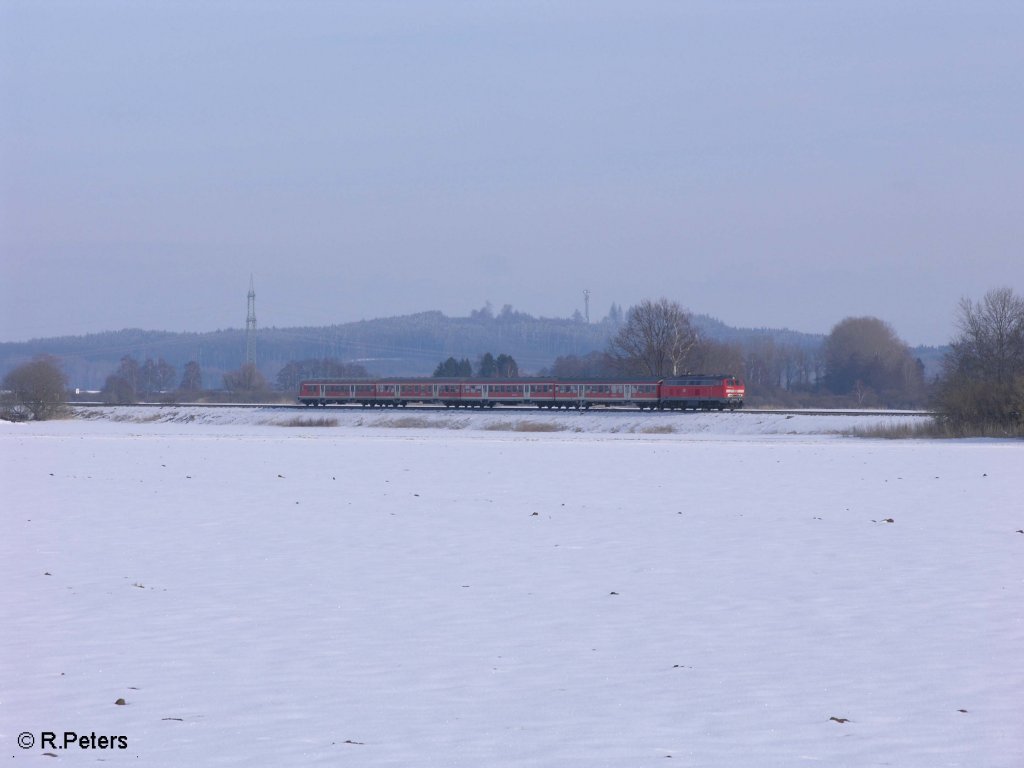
[(133, 381), (487, 367), (410, 345), (860, 363)]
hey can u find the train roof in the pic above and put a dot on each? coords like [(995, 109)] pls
[(482, 379), (691, 376), (517, 379)]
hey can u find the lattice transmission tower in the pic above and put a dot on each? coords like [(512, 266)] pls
[(250, 327)]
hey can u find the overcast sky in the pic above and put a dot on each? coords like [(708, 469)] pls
[(770, 163)]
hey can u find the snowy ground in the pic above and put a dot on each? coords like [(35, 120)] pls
[(478, 592)]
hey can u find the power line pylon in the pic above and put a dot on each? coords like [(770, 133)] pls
[(250, 327)]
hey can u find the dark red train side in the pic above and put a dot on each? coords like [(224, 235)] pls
[(692, 391), (701, 392)]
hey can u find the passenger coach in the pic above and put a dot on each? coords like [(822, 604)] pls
[(695, 391)]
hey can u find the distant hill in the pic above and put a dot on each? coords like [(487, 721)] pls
[(409, 345), (713, 328)]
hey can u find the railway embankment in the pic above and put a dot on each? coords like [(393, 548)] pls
[(516, 420)]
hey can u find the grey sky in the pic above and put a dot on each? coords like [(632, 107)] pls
[(769, 163)]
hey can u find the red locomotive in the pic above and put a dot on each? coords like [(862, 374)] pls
[(692, 391)]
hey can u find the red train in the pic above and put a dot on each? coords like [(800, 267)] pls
[(696, 391)]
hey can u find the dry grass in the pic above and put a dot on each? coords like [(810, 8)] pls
[(525, 426), (417, 422), (657, 429), (137, 418), (936, 429), (305, 421)]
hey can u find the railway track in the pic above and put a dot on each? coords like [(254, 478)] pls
[(510, 409)]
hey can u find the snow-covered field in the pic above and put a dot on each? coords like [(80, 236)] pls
[(484, 590)]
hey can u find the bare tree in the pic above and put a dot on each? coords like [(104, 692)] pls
[(155, 377), (991, 341), (763, 365), (658, 339), (718, 357), (983, 374), (589, 365), (39, 387), (295, 371), (863, 355), (122, 386), (245, 379), (192, 378)]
